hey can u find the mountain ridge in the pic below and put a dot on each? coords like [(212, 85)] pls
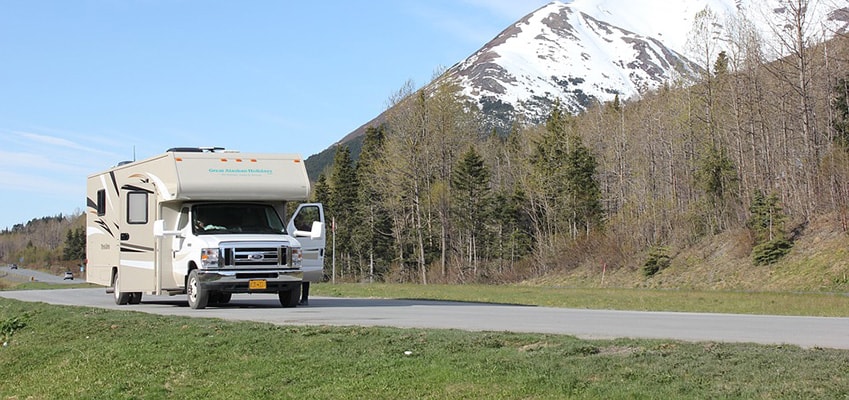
[(582, 53)]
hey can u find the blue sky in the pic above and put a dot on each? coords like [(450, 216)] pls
[(87, 83)]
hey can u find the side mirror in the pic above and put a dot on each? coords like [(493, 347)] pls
[(317, 230), (315, 233), (159, 229)]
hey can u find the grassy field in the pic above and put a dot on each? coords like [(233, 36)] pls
[(737, 302), (77, 352)]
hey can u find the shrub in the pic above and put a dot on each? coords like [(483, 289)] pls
[(9, 326), (658, 260), (771, 251)]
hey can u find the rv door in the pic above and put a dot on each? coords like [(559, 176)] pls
[(138, 213), (307, 225)]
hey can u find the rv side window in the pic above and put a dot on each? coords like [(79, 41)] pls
[(137, 207), (101, 202)]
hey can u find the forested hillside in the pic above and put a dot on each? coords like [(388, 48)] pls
[(50, 243), (752, 154)]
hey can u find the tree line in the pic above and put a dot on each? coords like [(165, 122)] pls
[(47, 241), (752, 146)]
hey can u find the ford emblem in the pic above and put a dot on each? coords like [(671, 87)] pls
[(256, 256)]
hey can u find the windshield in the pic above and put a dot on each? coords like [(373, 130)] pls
[(232, 218)]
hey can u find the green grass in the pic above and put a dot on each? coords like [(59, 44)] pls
[(46, 285), (79, 352), (769, 303)]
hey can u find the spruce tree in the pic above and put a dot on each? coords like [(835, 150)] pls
[(564, 175), (548, 174), (472, 201), (321, 192), (582, 189), (373, 234), (343, 200), (767, 226), (840, 105)]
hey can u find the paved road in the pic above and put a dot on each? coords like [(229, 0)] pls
[(802, 331), (25, 275)]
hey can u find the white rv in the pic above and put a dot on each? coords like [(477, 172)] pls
[(205, 222)]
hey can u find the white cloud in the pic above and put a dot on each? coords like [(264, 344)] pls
[(60, 142), (57, 184), (22, 161)]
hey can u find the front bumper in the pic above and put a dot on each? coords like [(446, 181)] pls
[(238, 281)]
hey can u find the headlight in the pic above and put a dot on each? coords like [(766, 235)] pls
[(297, 257), (209, 258)]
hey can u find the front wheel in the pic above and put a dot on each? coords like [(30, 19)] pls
[(198, 296), (224, 298), (220, 298), (290, 298)]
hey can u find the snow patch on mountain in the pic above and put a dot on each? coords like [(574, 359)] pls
[(586, 52), (562, 53)]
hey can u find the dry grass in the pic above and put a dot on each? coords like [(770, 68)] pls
[(819, 262)]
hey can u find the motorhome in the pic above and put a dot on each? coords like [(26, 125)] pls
[(205, 222)]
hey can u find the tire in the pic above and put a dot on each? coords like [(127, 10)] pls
[(290, 298), (198, 296), (216, 297), (120, 298), (135, 297), (224, 298)]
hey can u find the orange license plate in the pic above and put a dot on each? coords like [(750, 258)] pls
[(256, 285)]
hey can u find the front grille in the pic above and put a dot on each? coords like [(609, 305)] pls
[(255, 255), (256, 275)]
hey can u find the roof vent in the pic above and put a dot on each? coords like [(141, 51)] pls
[(194, 149)]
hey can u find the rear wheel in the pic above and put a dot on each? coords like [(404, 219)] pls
[(198, 297), (121, 298), (135, 297), (290, 298)]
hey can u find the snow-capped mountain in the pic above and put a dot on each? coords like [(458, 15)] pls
[(562, 52), (588, 51), (584, 52)]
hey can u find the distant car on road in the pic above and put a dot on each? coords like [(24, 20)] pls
[(68, 275), (14, 266)]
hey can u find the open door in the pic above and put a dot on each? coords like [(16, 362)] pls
[(307, 225)]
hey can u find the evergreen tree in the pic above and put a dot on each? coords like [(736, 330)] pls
[(717, 177), (767, 218), (75, 244), (321, 192), (343, 185), (549, 175), (720, 66), (373, 233), (840, 104), (472, 196), (767, 226), (582, 188), (514, 239), (568, 194)]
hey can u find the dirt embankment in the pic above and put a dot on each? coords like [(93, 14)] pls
[(819, 261)]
